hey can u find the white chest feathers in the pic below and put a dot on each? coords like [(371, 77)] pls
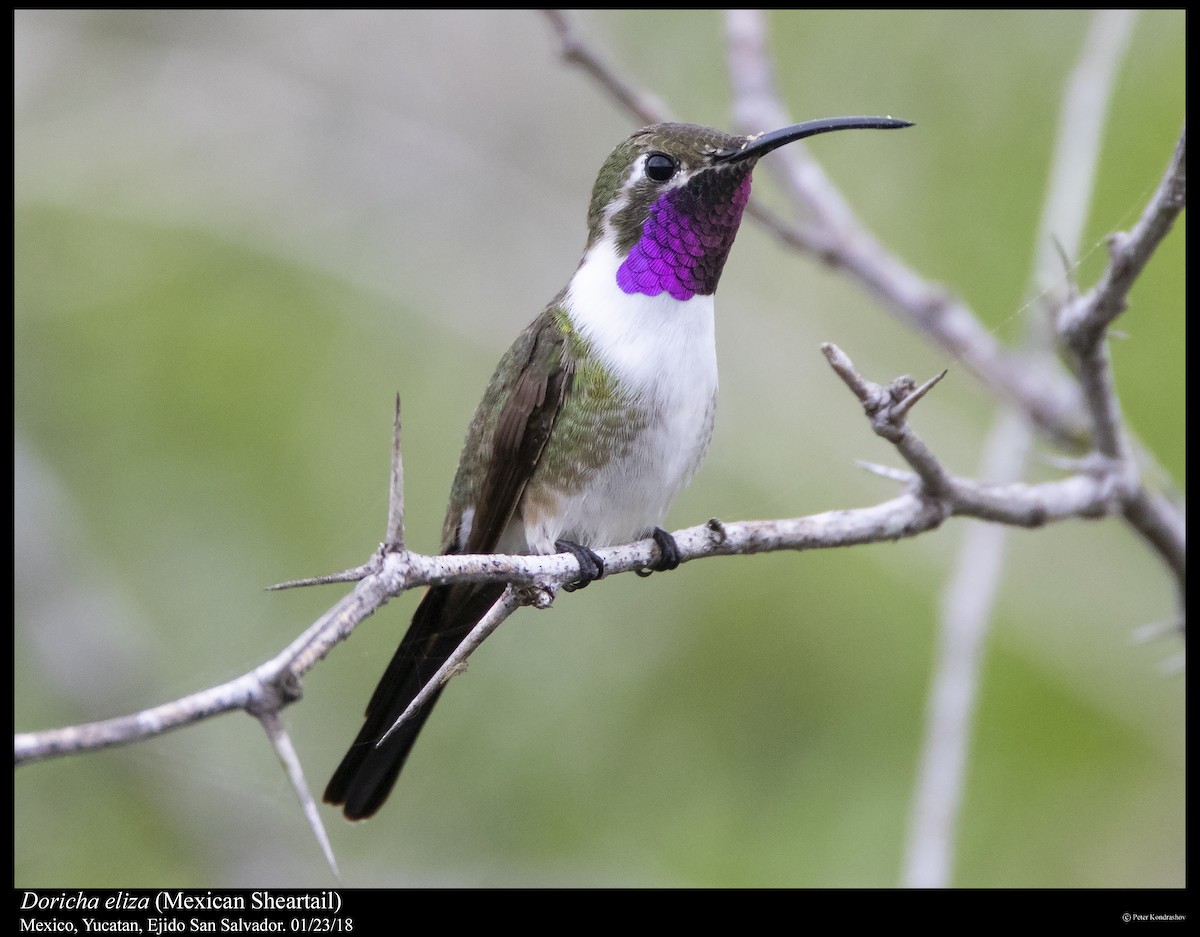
[(662, 352)]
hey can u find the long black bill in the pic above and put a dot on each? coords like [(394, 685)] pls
[(764, 143)]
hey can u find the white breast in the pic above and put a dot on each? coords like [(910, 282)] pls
[(664, 351)]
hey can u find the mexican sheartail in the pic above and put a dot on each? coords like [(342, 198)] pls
[(600, 412)]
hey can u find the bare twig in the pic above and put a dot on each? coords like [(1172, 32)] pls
[(887, 408), (276, 683), (394, 540), (353, 574), (280, 740), (504, 606), (974, 581), (1083, 322), (645, 107), (1082, 328)]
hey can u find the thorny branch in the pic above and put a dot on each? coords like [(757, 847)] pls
[(933, 496), (1106, 482)]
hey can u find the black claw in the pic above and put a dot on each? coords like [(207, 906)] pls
[(668, 553), (668, 550), (591, 567)]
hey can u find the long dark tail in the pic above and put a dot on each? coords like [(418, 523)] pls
[(367, 773)]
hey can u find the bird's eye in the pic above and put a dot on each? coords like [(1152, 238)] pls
[(660, 167)]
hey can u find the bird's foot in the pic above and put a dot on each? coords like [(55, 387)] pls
[(591, 567), (668, 553)]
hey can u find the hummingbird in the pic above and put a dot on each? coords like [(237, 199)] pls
[(600, 412)]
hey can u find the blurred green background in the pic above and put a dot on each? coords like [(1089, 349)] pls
[(238, 234)]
